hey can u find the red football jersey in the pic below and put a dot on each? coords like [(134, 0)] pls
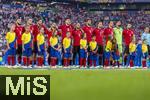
[(127, 36), (19, 30), (99, 35), (49, 34), (36, 31), (108, 32), (76, 37), (31, 28), (88, 30), (64, 29)]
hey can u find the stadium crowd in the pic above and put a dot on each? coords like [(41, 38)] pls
[(23, 13)]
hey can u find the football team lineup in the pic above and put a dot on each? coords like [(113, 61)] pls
[(33, 45), (74, 49)]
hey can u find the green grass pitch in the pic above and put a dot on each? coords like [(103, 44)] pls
[(116, 84)]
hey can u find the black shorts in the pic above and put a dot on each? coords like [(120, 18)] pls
[(76, 49), (19, 50), (88, 49), (48, 49), (126, 51), (100, 49), (35, 48)]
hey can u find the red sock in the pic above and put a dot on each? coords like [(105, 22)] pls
[(81, 61), (94, 63), (13, 60), (65, 62), (41, 61), (55, 61), (19, 59), (143, 63), (25, 61), (38, 61), (30, 61), (90, 62), (106, 63), (131, 63), (52, 61), (9, 60), (84, 62), (68, 62)]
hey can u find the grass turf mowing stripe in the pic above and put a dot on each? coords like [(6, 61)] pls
[(115, 84)]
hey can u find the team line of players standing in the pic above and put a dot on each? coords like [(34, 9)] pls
[(28, 44)]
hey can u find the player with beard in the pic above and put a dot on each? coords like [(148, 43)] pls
[(19, 30), (76, 41), (35, 32), (109, 31), (67, 27), (88, 30), (30, 24), (118, 36), (98, 32), (128, 35), (63, 29)]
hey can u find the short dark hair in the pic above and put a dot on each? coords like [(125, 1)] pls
[(110, 21)]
